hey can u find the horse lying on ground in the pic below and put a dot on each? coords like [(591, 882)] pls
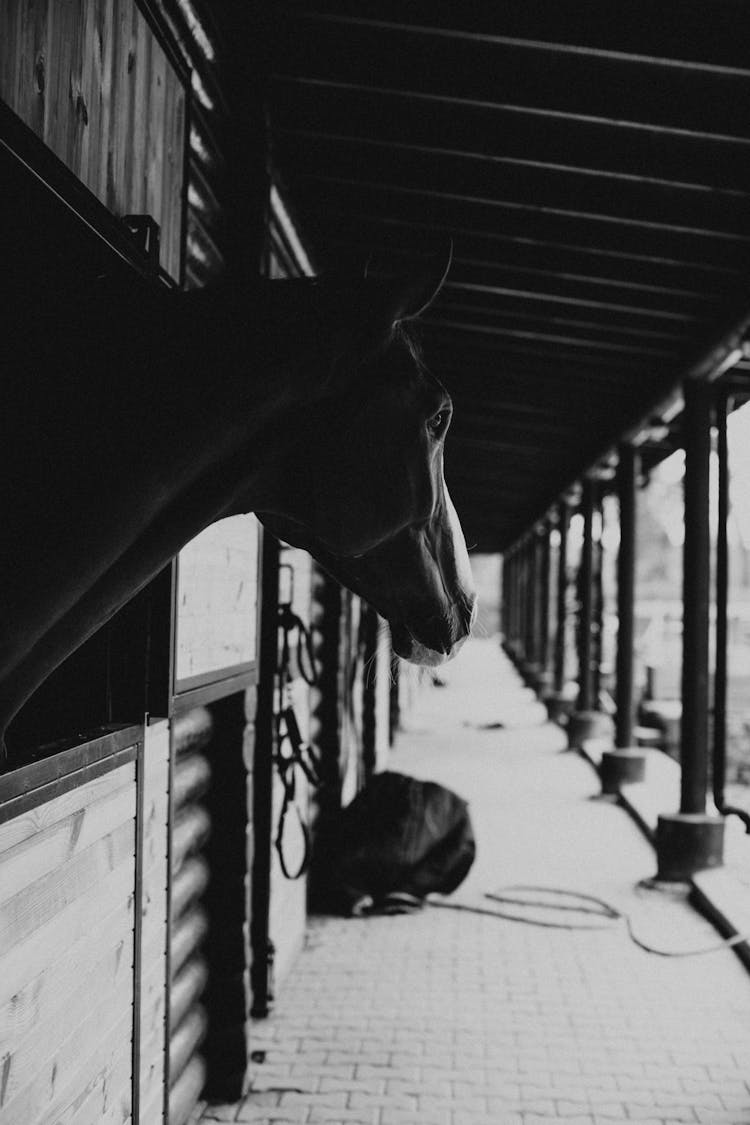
[(136, 423)]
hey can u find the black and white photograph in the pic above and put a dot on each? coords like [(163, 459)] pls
[(375, 562)]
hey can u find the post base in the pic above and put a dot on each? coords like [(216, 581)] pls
[(588, 724), (687, 843), (621, 766), (530, 672), (560, 705)]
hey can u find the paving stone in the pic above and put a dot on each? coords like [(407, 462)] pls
[(455, 1018)]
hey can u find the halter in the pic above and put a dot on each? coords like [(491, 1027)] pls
[(299, 753)]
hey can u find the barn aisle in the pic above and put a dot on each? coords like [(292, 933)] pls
[(456, 1018)]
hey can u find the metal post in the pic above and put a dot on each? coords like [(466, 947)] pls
[(625, 764), (544, 590), (514, 595), (696, 592), (627, 476), (530, 655), (722, 597), (722, 584), (562, 597), (523, 574), (597, 602), (586, 594), (691, 840), (261, 976)]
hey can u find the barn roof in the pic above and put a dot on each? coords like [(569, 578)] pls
[(591, 163)]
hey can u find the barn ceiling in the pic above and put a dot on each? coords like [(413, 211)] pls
[(590, 161)]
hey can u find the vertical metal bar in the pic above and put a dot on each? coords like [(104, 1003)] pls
[(722, 594), (513, 600), (140, 786), (562, 596), (174, 594), (503, 594), (263, 779), (544, 590), (696, 583), (597, 601), (521, 611), (586, 598), (627, 477), (533, 602)]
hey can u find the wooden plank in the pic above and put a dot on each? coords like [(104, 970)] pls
[(155, 134), (104, 45), (175, 154), (154, 931), (28, 779), (60, 1087), (27, 82), (185, 1093), (106, 985), (115, 141), (33, 858), (153, 1046), (34, 1000), (189, 883), (190, 832), (11, 60), (144, 49), (28, 959), (38, 903), (109, 1055), (108, 1102), (43, 816), (187, 934)]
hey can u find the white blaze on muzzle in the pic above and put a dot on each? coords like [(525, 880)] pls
[(460, 554)]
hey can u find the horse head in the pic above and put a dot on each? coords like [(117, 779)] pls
[(367, 496)]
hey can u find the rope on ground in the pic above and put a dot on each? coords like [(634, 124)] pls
[(578, 903)]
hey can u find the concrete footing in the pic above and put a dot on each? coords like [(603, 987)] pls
[(621, 766), (687, 843), (559, 706), (583, 725)]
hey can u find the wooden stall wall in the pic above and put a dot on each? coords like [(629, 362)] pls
[(213, 710), (152, 860), (70, 935), (94, 82)]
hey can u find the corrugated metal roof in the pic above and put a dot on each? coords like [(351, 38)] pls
[(591, 163)]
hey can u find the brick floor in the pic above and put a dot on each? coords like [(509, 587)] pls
[(452, 1018)]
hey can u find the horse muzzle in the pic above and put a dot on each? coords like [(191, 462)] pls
[(430, 642)]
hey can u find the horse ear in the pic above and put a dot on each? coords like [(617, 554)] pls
[(373, 307), (406, 297)]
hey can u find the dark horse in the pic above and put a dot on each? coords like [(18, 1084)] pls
[(137, 422)]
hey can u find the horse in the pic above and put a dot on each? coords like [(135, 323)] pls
[(137, 418)]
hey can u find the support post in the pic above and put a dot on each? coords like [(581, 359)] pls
[(626, 763), (562, 597), (587, 722), (545, 678), (627, 476), (557, 706), (696, 592), (586, 595), (719, 772), (532, 606), (690, 840)]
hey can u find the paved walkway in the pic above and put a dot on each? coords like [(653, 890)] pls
[(451, 1018)]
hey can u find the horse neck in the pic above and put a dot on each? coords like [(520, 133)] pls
[(269, 344)]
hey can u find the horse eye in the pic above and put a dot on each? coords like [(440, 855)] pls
[(437, 422)]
